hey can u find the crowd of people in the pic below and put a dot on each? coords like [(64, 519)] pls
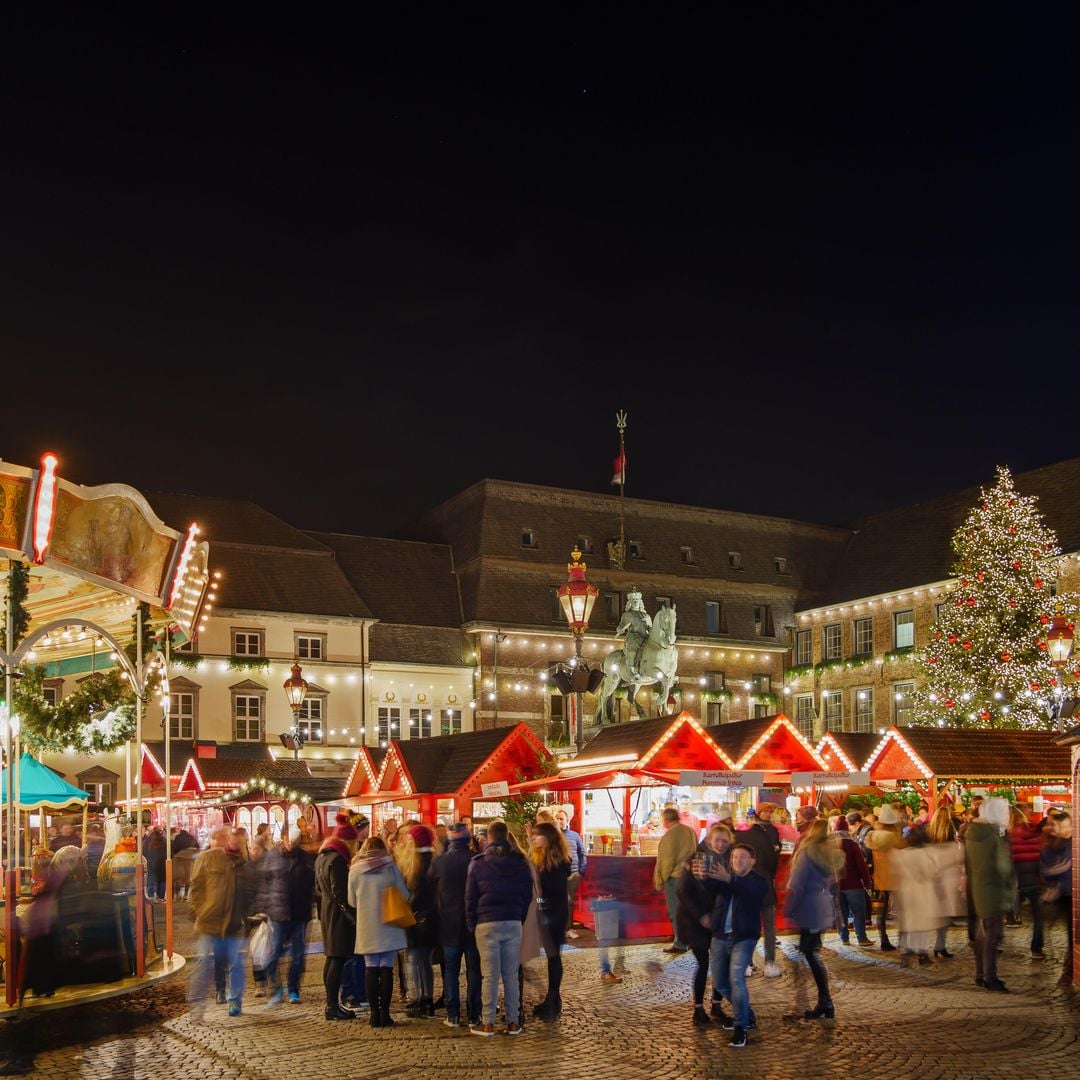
[(476, 896), (919, 871)]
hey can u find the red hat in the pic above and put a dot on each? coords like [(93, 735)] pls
[(421, 835), (344, 830)]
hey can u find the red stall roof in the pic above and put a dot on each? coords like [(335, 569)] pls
[(848, 750), (664, 742), (769, 743)]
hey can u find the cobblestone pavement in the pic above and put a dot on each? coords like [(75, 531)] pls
[(891, 1020)]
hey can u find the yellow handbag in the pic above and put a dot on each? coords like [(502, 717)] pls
[(395, 908)]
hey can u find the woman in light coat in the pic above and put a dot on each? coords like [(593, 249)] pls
[(371, 874)]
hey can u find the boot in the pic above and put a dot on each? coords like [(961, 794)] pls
[(823, 1010), (386, 992), (373, 986), (886, 944), (551, 1010), (429, 1009), (415, 1009)]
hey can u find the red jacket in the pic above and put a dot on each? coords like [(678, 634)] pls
[(1025, 847), (854, 874)]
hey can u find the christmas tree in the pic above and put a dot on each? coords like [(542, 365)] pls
[(986, 664)]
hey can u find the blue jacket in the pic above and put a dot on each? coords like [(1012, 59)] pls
[(578, 858), (812, 885), (498, 888), (745, 896)]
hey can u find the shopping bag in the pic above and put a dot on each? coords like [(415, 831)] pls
[(395, 908), (259, 946)]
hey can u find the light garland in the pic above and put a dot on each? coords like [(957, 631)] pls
[(681, 720), (838, 750)]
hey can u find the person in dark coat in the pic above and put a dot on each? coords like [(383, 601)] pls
[(764, 838), (155, 864), (337, 918), (1024, 846), (448, 872), (94, 848), (413, 852), (694, 916), (550, 857), (853, 883), (287, 878)]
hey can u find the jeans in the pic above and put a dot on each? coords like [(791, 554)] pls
[(573, 883), (420, 973), (853, 902), (729, 959), (452, 957), (294, 933), (226, 952), (673, 908), (380, 959), (1033, 897), (605, 956), (988, 934), (499, 945), (352, 979)]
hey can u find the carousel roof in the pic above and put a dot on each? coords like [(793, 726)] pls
[(41, 787)]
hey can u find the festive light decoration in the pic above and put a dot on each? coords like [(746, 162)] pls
[(990, 649), (44, 507), (685, 719)]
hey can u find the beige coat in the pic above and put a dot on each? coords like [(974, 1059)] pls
[(678, 844)]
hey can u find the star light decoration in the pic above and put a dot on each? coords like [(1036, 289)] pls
[(987, 662)]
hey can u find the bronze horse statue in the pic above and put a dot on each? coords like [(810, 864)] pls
[(657, 667)]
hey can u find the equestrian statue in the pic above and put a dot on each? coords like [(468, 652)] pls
[(649, 658)]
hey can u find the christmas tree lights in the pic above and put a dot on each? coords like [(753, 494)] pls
[(986, 663)]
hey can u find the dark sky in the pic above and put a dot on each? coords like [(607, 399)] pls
[(348, 269)]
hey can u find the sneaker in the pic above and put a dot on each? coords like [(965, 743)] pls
[(772, 971), (294, 998), (738, 1039), (845, 941), (452, 1021), (276, 998), (514, 1029), (572, 934), (484, 1030), (865, 943), (221, 999), (234, 1009), (260, 991), (749, 970), (675, 949), (609, 977), (1038, 955)]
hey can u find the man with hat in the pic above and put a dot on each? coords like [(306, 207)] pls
[(763, 837)]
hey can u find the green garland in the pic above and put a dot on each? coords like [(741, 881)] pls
[(234, 663), (18, 589)]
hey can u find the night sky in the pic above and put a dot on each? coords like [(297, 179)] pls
[(348, 269)]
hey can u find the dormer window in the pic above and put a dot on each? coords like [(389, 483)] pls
[(686, 554), (528, 539), (734, 560), (584, 544), (780, 564), (635, 549)]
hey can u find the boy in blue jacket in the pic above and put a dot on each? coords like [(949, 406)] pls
[(736, 927)]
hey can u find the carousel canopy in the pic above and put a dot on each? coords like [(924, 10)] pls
[(41, 788)]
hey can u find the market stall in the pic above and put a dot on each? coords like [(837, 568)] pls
[(616, 787), (943, 762), (438, 779), (847, 750)]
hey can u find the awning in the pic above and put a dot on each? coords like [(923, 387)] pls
[(596, 779), (40, 788)]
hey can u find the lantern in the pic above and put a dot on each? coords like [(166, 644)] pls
[(577, 596)]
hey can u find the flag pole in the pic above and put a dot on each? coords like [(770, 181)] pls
[(621, 418)]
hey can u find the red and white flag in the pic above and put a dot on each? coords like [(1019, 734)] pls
[(619, 478)]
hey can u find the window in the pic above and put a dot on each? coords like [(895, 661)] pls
[(831, 642), (189, 646), (902, 703), (804, 714), (780, 564), (714, 680), (247, 717), (584, 544), (310, 718), (804, 647), (864, 637), (686, 554), (635, 548), (389, 724), (714, 713), (181, 715), (53, 690), (613, 602), (734, 560), (528, 538), (903, 629), (761, 684), (939, 610), (833, 701), (102, 794), (247, 643), (555, 611), (311, 646), (663, 601), (419, 723), (451, 720), (763, 622), (558, 710), (864, 708), (715, 620)]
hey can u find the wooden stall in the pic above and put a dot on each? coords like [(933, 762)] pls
[(941, 762), (439, 779)]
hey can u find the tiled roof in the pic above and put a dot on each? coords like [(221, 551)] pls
[(985, 754), (241, 770), (634, 737), (911, 546), (737, 738), (401, 581), (442, 764), (858, 745), (182, 749)]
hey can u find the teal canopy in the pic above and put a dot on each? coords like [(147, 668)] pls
[(41, 788)]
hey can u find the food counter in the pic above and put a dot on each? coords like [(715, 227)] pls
[(643, 913)]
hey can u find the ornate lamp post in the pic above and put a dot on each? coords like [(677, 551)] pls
[(577, 597), (295, 687), (1059, 643)]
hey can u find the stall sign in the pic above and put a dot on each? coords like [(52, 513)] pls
[(720, 778), (495, 790), (486, 810), (824, 779)]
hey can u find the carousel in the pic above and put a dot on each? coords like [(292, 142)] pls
[(97, 591)]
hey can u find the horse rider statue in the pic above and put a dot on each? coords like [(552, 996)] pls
[(635, 625)]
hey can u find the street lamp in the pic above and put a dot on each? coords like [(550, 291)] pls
[(1059, 644), (295, 687), (577, 597)]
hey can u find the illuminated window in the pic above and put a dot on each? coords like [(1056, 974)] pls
[(831, 642), (804, 647), (902, 703), (834, 710), (805, 714), (247, 717), (864, 708), (420, 723), (311, 717), (864, 637), (903, 629), (181, 715)]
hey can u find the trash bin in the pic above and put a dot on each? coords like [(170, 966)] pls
[(606, 912)]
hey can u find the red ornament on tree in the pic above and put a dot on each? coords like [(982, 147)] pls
[(971, 601), (1017, 564), (1034, 686), (1012, 603), (1042, 645), (1044, 619), (965, 644), (1006, 657), (952, 639), (949, 703), (984, 715), (1038, 583)]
